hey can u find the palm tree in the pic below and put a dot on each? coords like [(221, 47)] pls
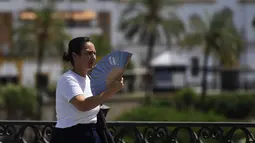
[(42, 35), (143, 19), (218, 37)]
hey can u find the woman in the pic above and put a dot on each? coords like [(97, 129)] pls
[(76, 107)]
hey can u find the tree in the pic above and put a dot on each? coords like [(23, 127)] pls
[(19, 102), (219, 37), (143, 19), (42, 35)]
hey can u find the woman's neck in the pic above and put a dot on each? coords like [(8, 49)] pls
[(80, 72)]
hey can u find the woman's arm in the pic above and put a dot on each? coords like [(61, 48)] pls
[(85, 104), (75, 96)]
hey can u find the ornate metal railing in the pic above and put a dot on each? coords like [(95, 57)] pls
[(139, 132)]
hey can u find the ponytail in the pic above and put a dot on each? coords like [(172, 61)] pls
[(66, 57)]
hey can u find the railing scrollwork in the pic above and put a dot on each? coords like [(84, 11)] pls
[(139, 132)]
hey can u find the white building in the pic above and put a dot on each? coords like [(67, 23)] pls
[(103, 16), (89, 17)]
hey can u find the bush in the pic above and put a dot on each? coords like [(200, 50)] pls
[(154, 102), (235, 106), (185, 99), (231, 105), (52, 90), (19, 101), (149, 113)]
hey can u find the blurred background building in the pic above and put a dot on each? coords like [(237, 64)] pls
[(97, 17), (183, 53)]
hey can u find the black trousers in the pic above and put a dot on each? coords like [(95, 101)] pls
[(81, 133)]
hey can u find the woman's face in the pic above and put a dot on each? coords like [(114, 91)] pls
[(87, 58)]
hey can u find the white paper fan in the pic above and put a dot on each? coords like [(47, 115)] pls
[(108, 69)]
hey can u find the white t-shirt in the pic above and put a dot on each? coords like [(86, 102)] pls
[(70, 85)]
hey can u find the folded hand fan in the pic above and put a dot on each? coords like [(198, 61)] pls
[(110, 68)]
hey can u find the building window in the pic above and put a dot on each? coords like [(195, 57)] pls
[(4, 80), (194, 66), (163, 75), (72, 18)]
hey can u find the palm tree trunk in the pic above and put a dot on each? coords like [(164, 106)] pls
[(148, 77), (151, 45), (204, 76), (41, 43)]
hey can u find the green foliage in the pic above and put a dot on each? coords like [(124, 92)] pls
[(152, 101), (219, 35), (145, 25), (149, 113), (18, 98), (163, 110), (45, 30), (185, 98), (231, 105), (52, 90)]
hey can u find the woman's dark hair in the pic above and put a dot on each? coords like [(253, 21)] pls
[(75, 45)]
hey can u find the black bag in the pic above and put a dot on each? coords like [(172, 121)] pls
[(102, 129)]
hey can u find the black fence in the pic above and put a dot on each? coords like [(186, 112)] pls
[(139, 132)]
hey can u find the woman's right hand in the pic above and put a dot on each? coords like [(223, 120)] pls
[(116, 86)]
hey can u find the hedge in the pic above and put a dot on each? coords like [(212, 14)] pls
[(152, 113), (19, 102), (168, 114), (231, 105)]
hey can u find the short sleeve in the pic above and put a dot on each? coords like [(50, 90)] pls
[(71, 88)]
